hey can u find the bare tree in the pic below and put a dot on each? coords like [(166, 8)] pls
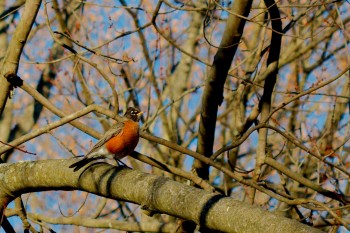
[(245, 126)]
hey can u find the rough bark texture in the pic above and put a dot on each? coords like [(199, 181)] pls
[(152, 192)]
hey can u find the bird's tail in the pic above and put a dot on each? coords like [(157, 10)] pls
[(81, 163)]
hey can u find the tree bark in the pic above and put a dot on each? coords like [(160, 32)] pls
[(154, 193), (14, 51), (213, 91)]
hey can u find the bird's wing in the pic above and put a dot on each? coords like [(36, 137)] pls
[(113, 131)]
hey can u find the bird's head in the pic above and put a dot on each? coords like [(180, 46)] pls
[(133, 114)]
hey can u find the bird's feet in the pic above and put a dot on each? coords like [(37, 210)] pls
[(120, 163)]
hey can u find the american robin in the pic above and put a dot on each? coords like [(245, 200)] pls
[(119, 141)]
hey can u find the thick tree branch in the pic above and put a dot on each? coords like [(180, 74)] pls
[(213, 92), (14, 51), (152, 192)]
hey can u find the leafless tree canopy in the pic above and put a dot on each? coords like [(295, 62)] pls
[(245, 125)]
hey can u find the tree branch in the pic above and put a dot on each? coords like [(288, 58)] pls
[(213, 92), (152, 192), (14, 51), (269, 85)]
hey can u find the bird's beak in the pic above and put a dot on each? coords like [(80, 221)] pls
[(139, 114)]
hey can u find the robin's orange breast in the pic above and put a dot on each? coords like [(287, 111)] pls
[(126, 141)]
